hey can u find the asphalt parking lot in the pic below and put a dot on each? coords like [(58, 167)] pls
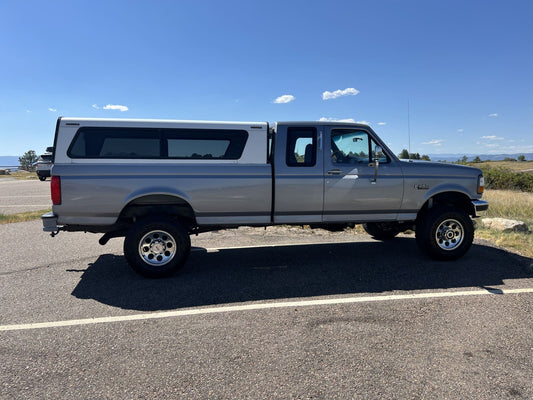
[(24, 195), (275, 313)]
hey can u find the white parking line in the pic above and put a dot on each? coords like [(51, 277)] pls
[(260, 306)]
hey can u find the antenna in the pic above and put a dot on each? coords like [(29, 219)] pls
[(408, 130)]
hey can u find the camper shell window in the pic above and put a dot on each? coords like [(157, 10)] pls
[(135, 143)]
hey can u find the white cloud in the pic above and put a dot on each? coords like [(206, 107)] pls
[(353, 121), (324, 119), (493, 115), (382, 123), (52, 109), (460, 130), (116, 107), (497, 148), (286, 98), (95, 106), (338, 93), (492, 137), (434, 142)]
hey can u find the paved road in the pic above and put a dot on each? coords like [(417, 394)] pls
[(19, 196), (354, 318)]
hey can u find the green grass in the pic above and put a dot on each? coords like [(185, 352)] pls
[(21, 217)]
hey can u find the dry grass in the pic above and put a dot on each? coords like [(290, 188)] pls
[(511, 205), (21, 217), (21, 175), (515, 166)]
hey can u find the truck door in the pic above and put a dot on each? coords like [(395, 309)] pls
[(351, 192), (299, 175)]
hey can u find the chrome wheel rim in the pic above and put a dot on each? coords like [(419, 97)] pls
[(157, 248), (450, 234)]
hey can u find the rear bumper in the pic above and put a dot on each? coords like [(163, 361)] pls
[(44, 173), (480, 207), (49, 222)]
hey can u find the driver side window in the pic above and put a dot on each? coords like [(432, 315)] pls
[(349, 147), (353, 146)]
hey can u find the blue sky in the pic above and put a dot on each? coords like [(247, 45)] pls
[(465, 67)]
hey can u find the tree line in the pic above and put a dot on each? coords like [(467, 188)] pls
[(404, 154), (413, 156)]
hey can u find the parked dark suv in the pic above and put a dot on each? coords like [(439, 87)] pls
[(44, 164)]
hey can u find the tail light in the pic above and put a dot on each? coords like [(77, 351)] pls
[(55, 187)]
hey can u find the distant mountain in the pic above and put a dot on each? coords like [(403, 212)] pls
[(484, 157), (9, 161)]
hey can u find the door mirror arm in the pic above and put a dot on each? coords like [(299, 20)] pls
[(378, 152)]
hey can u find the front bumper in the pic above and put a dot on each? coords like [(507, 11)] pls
[(480, 207), (49, 222)]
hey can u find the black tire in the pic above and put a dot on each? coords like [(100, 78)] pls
[(157, 247), (382, 230), (445, 233), (42, 178)]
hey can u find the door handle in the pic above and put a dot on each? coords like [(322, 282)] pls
[(334, 172)]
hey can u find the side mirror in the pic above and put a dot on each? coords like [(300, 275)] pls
[(378, 152)]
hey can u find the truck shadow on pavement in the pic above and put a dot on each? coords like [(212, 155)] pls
[(263, 273)]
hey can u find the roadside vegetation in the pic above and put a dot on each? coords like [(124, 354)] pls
[(509, 204), (507, 175), (509, 191), (21, 217), (514, 166), (20, 174), (28, 160), (505, 179)]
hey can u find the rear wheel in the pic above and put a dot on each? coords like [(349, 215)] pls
[(445, 233), (382, 230), (157, 247), (42, 178)]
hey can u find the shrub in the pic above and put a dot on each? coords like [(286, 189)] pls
[(501, 178)]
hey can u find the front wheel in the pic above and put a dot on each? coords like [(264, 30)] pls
[(42, 178), (445, 233), (157, 247)]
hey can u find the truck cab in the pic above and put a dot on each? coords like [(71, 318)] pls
[(326, 173)]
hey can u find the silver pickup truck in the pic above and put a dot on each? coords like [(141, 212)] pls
[(155, 182)]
